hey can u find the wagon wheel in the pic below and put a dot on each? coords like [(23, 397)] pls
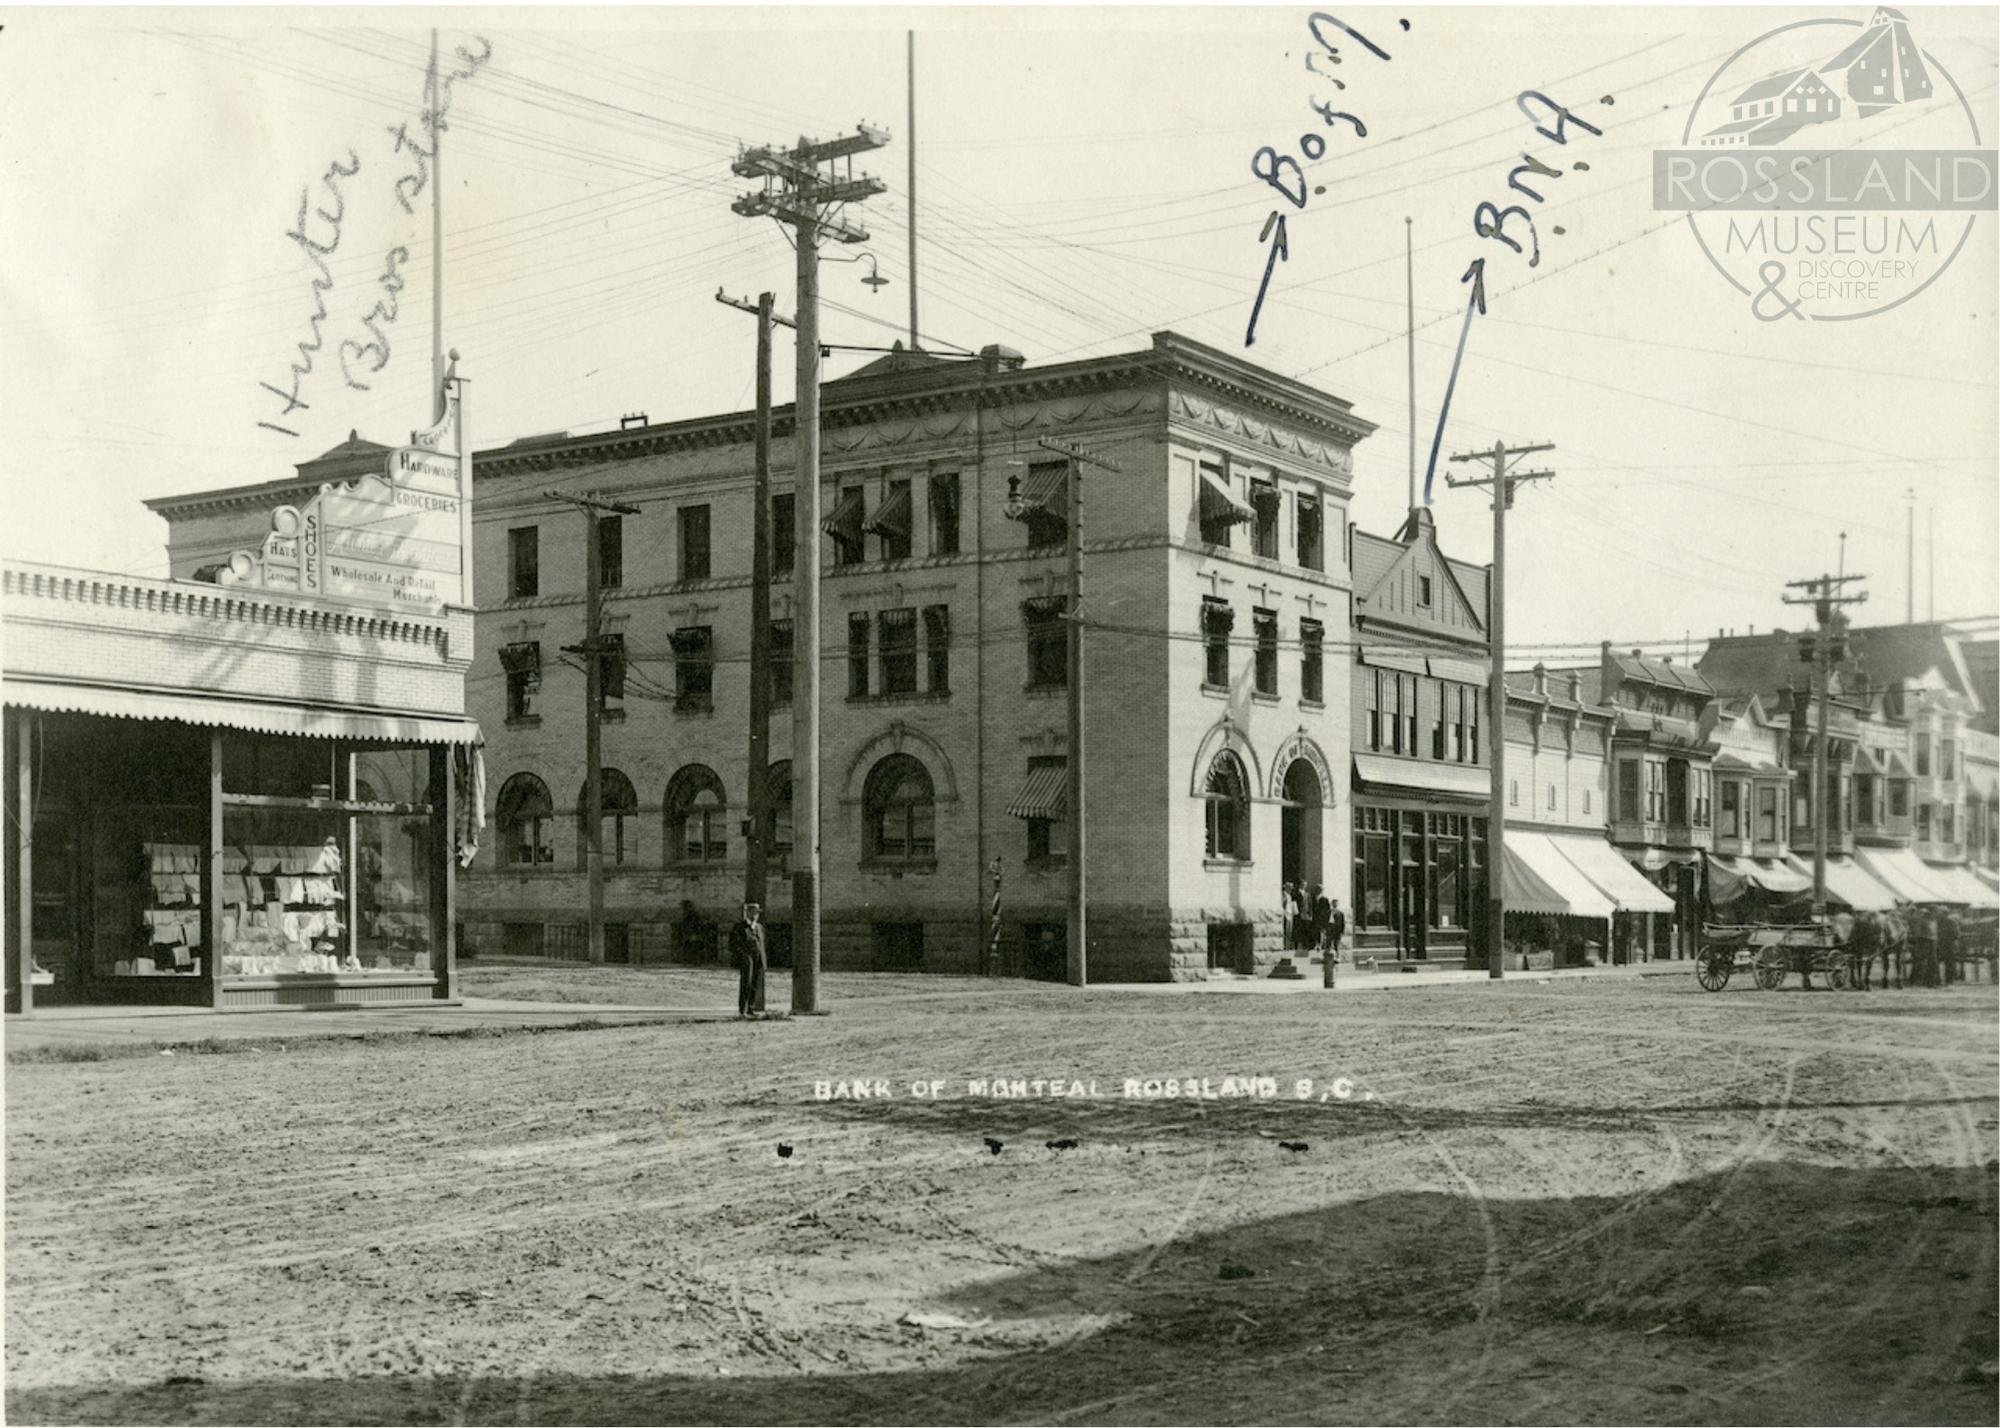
[(1839, 971), (1714, 968), (1772, 965)]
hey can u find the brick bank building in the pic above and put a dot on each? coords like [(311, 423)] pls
[(1216, 590)]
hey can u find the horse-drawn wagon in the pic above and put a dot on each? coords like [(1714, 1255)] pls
[(1772, 953)]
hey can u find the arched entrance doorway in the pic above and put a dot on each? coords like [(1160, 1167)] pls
[(1301, 824)]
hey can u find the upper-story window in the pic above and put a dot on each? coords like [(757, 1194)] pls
[(1923, 823), (1264, 502), (1628, 790), (937, 647), (1217, 511), (694, 542), (1265, 624), (781, 661), (1312, 662), (944, 513), (1767, 814), (857, 655), (898, 629), (611, 679), (784, 533), (1424, 591), (610, 552), (1923, 756), (1216, 622), (1948, 758), (1311, 532), (522, 662), (1732, 808), (1048, 641), (892, 522), (524, 562), (694, 668), (1048, 518), (1864, 798), (1899, 798)]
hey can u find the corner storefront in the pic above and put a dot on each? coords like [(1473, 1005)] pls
[(254, 791)]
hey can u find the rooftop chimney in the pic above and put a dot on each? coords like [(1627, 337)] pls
[(1575, 687), (1541, 678), (630, 420)]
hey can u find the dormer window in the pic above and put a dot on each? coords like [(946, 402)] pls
[(1424, 591)]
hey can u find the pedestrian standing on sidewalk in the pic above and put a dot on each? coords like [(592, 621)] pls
[(1322, 916), (1336, 929), (1947, 949), (1289, 896), (746, 950)]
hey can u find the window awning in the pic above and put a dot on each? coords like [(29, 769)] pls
[(1538, 878), (1653, 859), (1611, 874), (1389, 657), (1044, 496), (843, 522), (254, 716), (1220, 504), (1848, 884), (892, 517), (1044, 794), (1459, 780), (1729, 877), (521, 658), (1464, 671), (1959, 885), (1901, 872)]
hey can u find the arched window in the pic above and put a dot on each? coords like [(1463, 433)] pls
[(525, 817), (697, 826), (778, 817), (901, 812), (1228, 808), (617, 803)]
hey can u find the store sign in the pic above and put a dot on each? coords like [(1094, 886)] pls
[(394, 541)]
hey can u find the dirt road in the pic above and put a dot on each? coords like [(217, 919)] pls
[(1632, 1202)]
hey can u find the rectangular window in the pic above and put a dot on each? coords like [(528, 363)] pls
[(1396, 720), (1899, 798), (937, 647), (1410, 715), (1513, 793), (1312, 665), (1472, 726), (1048, 642), (1459, 694), (694, 542), (850, 546), (1628, 790), (1948, 758), (781, 662), (522, 664), (1264, 501), (784, 534), (944, 514), (1047, 836), (610, 552), (1311, 533), (1947, 823), (1656, 791), (1864, 798), (1424, 591), (895, 531), (899, 650), (1923, 756), (1216, 622), (1923, 823), (694, 667), (611, 686), (1732, 809), (524, 562), (1050, 476), (1265, 624), (1586, 800), (1552, 798), (1374, 687), (857, 655), (1767, 814), (1216, 519), (1439, 736)]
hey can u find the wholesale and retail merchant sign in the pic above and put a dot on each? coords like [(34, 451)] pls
[(394, 541)]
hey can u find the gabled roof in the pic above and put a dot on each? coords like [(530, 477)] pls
[(1911, 654), (1771, 86), (1660, 671), (1419, 532), (1752, 664)]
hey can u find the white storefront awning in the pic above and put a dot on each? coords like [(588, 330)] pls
[(1607, 869), (1958, 884), (1849, 884), (1902, 872), (221, 712), (1462, 780), (1540, 879)]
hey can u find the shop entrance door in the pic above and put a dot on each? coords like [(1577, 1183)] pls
[(1299, 824)]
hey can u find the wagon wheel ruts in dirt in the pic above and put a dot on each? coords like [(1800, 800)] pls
[(1714, 968), (1772, 965)]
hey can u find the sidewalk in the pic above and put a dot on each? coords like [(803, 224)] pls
[(111, 1027), (1349, 980)]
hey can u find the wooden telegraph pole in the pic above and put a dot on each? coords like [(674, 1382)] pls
[(1079, 962), (805, 186), (1825, 649), (755, 874), (1502, 481), (592, 650)]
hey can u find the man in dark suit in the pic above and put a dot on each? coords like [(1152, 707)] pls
[(746, 950)]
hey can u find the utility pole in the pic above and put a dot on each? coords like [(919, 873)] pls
[(1502, 482), (911, 197), (758, 780), (593, 706), (805, 186), (1079, 963), (1825, 649), (1910, 556)]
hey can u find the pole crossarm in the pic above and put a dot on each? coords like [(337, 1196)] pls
[(1077, 453), (745, 305)]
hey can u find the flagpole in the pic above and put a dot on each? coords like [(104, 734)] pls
[(437, 237)]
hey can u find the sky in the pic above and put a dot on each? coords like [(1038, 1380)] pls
[(1084, 178)]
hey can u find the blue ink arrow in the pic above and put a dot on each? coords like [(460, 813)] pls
[(1476, 275), (1279, 252)]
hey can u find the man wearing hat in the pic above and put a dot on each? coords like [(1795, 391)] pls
[(746, 950)]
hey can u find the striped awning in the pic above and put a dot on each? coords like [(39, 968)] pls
[(1538, 878), (1220, 504), (843, 522), (892, 517), (1044, 794), (1902, 872), (1847, 884), (252, 715), (1958, 885)]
